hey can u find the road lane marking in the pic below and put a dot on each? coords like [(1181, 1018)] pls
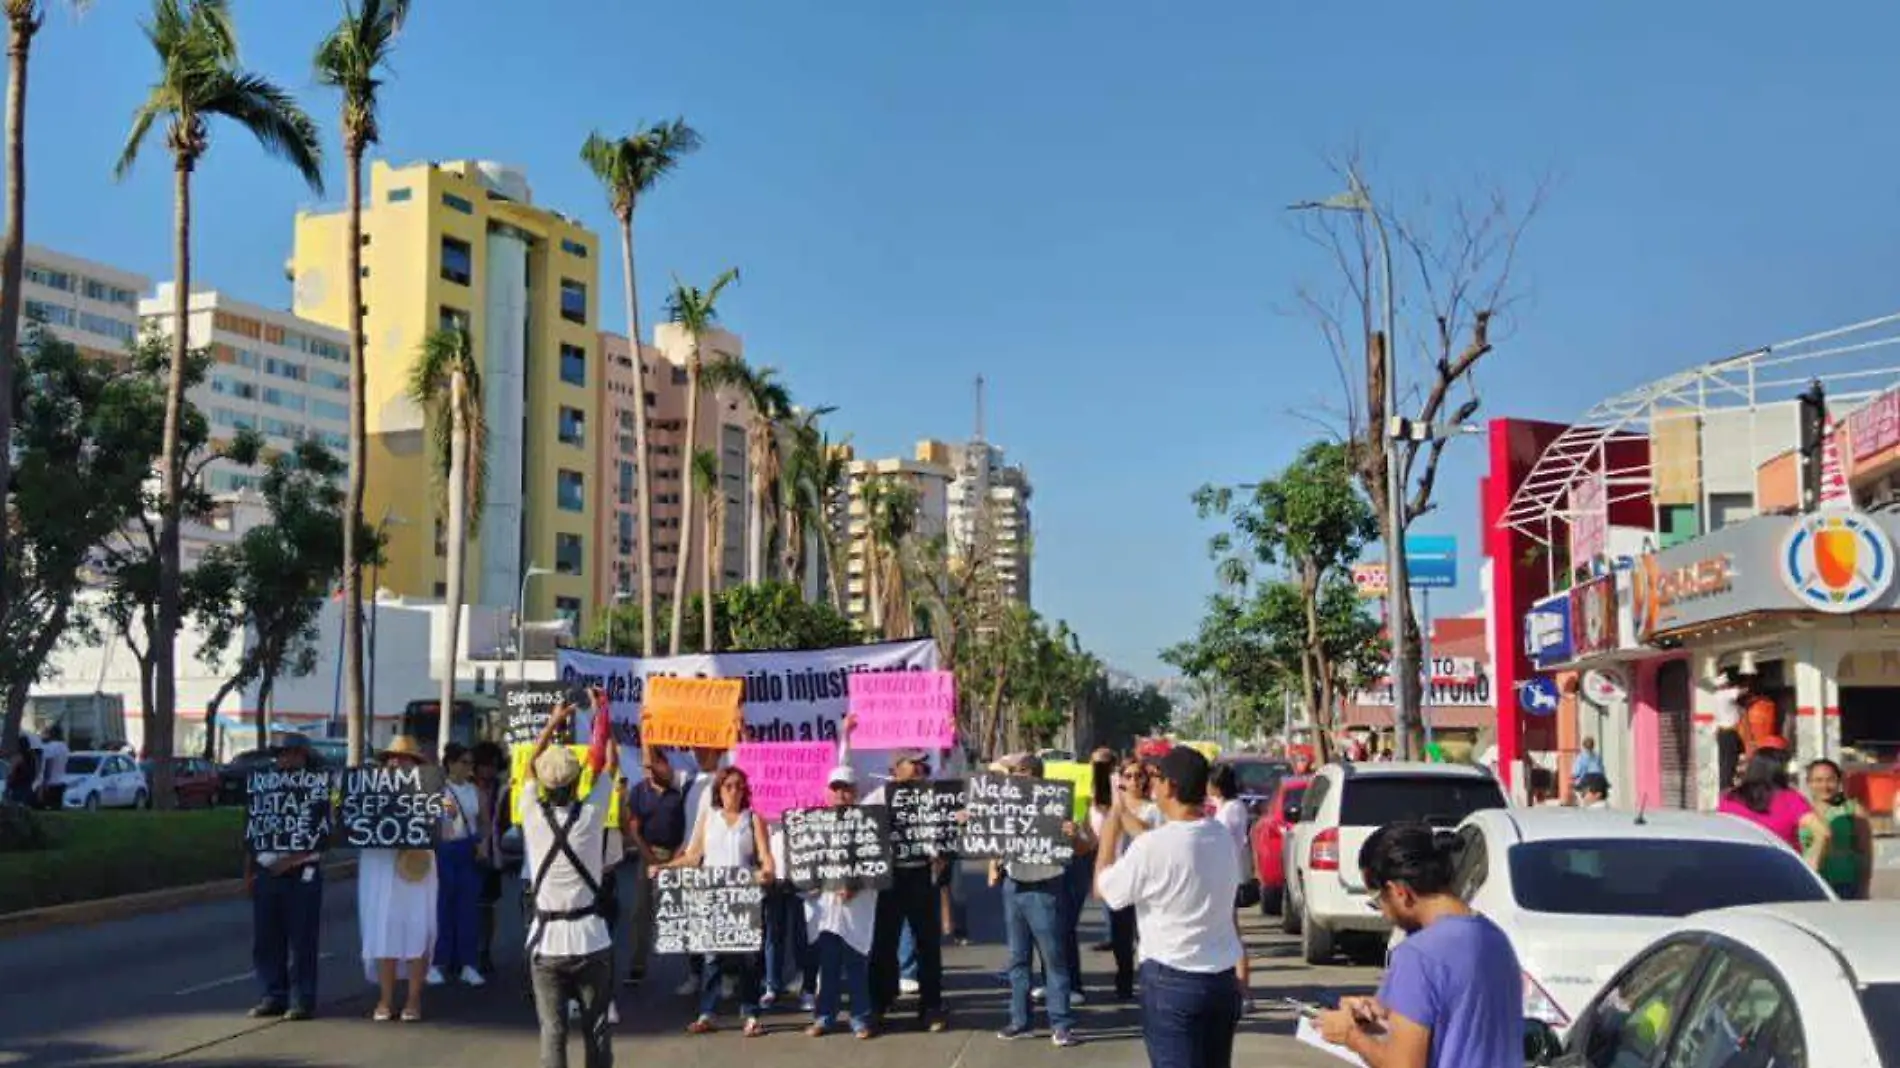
[(229, 979)]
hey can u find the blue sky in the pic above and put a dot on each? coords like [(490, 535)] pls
[(1081, 200)]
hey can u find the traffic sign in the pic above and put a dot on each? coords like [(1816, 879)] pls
[(1431, 561), (1537, 695)]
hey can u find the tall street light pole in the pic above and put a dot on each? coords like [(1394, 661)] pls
[(1358, 199), (521, 640)]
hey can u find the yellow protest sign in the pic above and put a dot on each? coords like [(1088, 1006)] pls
[(691, 713), (1082, 775), (518, 777)]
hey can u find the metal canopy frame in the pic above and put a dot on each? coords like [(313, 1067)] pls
[(1852, 363)]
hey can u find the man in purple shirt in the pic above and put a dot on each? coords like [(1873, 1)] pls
[(1453, 995)]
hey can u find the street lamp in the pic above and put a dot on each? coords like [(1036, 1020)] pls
[(613, 609), (1358, 199), (521, 642), (389, 519)]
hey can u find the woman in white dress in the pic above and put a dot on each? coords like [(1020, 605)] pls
[(396, 909), (730, 836)]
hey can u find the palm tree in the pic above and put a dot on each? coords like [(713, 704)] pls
[(890, 515), (446, 383), (350, 60), (199, 79), (628, 168), (706, 483), (697, 311), (833, 490), (801, 495), (771, 406)]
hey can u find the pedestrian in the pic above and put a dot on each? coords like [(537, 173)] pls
[(53, 756), (729, 836), (396, 908), (1230, 812), (1848, 861), (286, 892), (1181, 879), (1761, 717), (1764, 798), (1035, 905), (570, 951), (458, 859), (1593, 791), (1453, 993), (842, 924), (496, 802), (1102, 788), (658, 826), (1588, 762), (1729, 743), (788, 947), (910, 906)]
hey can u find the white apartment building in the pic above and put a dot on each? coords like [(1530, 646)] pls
[(932, 484), (285, 377), (89, 305), (986, 490)]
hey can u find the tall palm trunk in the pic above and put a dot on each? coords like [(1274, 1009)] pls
[(755, 521), (687, 452), (165, 643), (642, 469), (873, 588), (12, 268), (709, 572), (458, 536), (355, 726)]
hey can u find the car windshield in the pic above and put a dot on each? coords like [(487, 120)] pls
[(1654, 877), (81, 765), (1440, 800), (1258, 777), (1880, 1003)]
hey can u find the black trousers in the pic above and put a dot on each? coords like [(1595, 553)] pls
[(912, 899), (1121, 938), (1728, 754)]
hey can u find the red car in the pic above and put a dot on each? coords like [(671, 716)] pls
[(1270, 832), (195, 780)]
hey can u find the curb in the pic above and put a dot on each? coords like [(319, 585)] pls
[(131, 906)]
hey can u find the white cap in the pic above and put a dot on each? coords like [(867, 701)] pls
[(843, 775)]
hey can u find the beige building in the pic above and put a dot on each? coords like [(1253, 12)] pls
[(89, 305), (931, 482), (988, 512)]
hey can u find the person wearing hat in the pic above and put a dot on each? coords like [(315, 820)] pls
[(1038, 919), (911, 904), (286, 914), (569, 945), (1181, 879), (396, 907), (841, 925)]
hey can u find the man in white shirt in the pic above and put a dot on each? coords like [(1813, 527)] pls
[(570, 950), (53, 769), (1180, 878)]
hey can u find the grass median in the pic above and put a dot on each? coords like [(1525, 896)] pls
[(97, 855)]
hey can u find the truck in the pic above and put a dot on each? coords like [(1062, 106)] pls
[(87, 721)]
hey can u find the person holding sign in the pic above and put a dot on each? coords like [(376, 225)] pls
[(729, 836), (1180, 878), (911, 903), (841, 924), (1036, 913), (286, 909), (396, 907), (458, 859)]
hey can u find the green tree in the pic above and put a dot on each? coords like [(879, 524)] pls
[(446, 383), (199, 79), (84, 438), (1118, 716), (697, 312), (775, 615), (628, 168), (890, 517), (802, 491), (352, 60), (771, 406)]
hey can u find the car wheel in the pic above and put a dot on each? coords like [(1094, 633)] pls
[(92, 803), (140, 800), (1290, 910), (1316, 942)]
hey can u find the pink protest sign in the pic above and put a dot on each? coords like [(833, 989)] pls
[(786, 774), (904, 709)]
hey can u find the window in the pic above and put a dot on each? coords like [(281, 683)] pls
[(458, 261), (626, 532), (452, 319), (1441, 800), (573, 247), (324, 409), (568, 608), (110, 294), (280, 399), (234, 420), (441, 538), (569, 556), (285, 369), (106, 327), (50, 278), (398, 195), (55, 314), (1742, 1014), (281, 428), (573, 300), (1632, 1018), (1472, 866), (1880, 1003), (329, 379), (570, 491), (1654, 877), (455, 203), (573, 365), (1315, 799), (626, 482), (680, 377), (334, 441), (573, 426)]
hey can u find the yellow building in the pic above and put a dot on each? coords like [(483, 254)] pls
[(462, 243)]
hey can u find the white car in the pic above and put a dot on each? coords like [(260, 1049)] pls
[(105, 780), (1813, 985), (1325, 891), (1581, 890)]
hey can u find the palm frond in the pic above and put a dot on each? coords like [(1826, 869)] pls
[(142, 122), (272, 116)]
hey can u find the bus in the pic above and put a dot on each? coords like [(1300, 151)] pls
[(477, 718)]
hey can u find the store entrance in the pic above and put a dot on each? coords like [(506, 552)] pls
[(1674, 737), (1870, 707)]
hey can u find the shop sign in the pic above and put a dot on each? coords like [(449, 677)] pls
[(1370, 580), (1659, 590), (1547, 631), (1836, 561), (1473, 691), (1589, 522), (1604, 687), (1593, 618), (1875, 426)]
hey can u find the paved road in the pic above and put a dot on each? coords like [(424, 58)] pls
[(172, 990)]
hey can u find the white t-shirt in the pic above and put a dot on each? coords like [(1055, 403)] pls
[(855, 920), (564, 888), (1180, 878), (1728, 708), (1232, 815), (53, 765)]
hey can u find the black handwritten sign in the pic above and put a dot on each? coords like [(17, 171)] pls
[(708, 910), (1018, 819), (527, 707), (391, 807), (924, 821), (288, 811), (839, 848)]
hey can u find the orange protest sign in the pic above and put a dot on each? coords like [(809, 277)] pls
[(691, 713)]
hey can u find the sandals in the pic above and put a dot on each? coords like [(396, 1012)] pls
[(382, 1015), (411, 1016), (701, 1026), (754, 1027)]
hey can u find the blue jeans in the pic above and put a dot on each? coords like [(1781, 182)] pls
[(906, 953), (285, 912), (842, 970), (1033, 914), (457, 906), (1188, 1018), (786, 948), (712, 979)]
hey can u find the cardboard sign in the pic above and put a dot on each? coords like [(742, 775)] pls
[(708, 910), (904, 710), (391, 807), (1081, 775), (526, 708), (691, 713), (785, 774), (288, 811), (924, 821), (1018, 819), (518, 778), (838, 848)]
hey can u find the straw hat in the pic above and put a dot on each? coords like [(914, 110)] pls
[(405, 747), (414, 865)]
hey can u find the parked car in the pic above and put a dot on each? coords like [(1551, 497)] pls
[(1345, 803), (195, 781), (1258, 777), (1271, 826), (1544, 874), (235, 775), (105, 780), (1810, 985)]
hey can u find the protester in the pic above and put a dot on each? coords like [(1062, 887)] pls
[(1593, 791), (787, 948), (570, 950), (458, 857), (1588, 761), (658, 826), (841, 924), (1181, 879), (1847, 862), (286, 914), (1763, 797), (1230, 812), (1102, 788), (1034, 908), (396, 908), (911, 904), (1453, 993), (493, 788), (729, 836)]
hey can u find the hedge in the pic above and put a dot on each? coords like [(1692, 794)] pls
[(95, 855)]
